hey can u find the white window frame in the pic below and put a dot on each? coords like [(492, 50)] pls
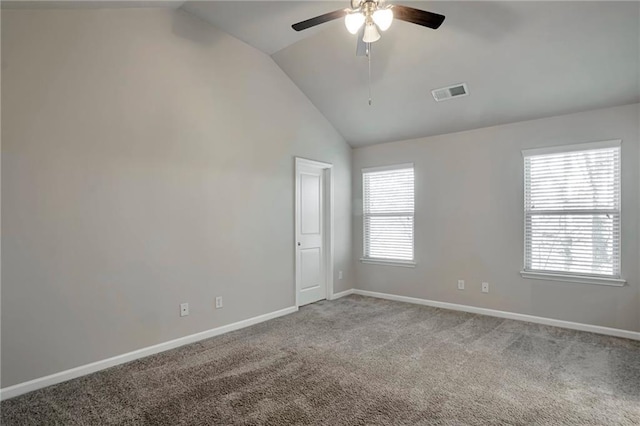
[(389, 262), (569, 277)]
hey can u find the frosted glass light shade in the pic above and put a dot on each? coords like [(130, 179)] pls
[(371, 33), (383, 18), (353, 22)]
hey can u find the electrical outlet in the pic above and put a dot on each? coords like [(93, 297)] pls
[(339, 275), (218, 302), (460, 284), (485, 287), (184, 309)]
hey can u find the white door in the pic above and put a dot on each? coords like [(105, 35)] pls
[(310, 251)]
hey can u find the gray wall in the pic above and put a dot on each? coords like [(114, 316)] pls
[(147, 160), (469, 219)]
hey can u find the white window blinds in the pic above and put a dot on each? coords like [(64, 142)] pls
[(388, 206), (572, 210)]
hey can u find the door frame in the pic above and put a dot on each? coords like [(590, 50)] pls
[(327, 218)]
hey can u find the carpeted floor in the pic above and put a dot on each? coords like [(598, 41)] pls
[(361, 361)]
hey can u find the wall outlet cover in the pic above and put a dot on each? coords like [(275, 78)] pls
[(184, 309), (485, 287), (460, 284), (218, 302)]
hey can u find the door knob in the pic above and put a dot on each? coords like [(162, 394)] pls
[(298, 244)]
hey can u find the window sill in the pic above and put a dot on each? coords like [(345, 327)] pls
[(616, 282), (389, 262)]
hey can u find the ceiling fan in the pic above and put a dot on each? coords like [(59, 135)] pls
[(374, 15), (369, 16)]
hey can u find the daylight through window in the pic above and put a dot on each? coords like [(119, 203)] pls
[(389, 213), (572, 210)]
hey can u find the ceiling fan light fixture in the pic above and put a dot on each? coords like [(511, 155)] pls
[(353, 22), (383, 18), (371, 33)]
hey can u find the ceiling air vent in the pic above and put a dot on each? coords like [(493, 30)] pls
[(450, 92)]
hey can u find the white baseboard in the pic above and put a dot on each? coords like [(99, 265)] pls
[(63, 376), (342, 294), (628, 334)]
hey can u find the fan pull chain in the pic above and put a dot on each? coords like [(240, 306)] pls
[(369, 57)]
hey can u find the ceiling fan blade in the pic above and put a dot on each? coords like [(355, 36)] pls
[(417, 16), (361, 48), (319, 20)]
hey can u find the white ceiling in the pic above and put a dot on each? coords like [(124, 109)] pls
[(521, 61), (266, 24), (89, 4)]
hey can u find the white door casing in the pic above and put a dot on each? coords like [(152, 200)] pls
[(313, 231)]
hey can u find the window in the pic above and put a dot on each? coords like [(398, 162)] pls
[(388, 209), (572, 211)]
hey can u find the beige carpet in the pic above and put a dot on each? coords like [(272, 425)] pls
[(361, 361)]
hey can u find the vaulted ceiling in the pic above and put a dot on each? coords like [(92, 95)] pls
[(521, 61)]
